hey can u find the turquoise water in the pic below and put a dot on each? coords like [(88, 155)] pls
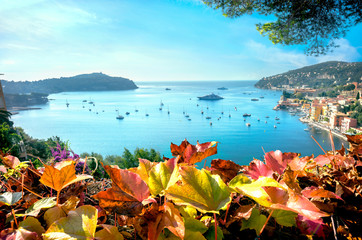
[(88, 131)]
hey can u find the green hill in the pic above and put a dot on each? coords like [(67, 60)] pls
[(320, 75), (83, 82)]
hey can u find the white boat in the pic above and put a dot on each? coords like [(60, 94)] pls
[(275, 126), (248, 124), (120, 117)]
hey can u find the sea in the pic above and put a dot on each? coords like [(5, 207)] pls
[(174, 114)]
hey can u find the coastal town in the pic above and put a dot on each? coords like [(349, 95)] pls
[(338, 110)]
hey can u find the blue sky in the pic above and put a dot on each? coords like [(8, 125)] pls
[(144, 40)]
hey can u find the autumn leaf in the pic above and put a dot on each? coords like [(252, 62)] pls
[(61, 177), (34, 209), (10, 198), (200, 189), (255, 190), (258, 169), (160, 176), (143, 169), (79, 224), (10, 161), (178, 150), (300, 204), (108, 233), (278, 161), (192, 154), (314, 192), (33, 225), (173, 220), (127, 192), (61, 210), (226, 169)]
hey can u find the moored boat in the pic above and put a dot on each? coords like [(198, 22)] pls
[(210, 97)]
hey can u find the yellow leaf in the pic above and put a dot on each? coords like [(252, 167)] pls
[(80, 224)]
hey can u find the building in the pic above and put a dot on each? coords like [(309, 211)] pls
[(347, 123), (315, 112), (335, 121)]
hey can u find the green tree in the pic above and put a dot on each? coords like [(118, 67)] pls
[(9, 140), (299, 95), (313, 23), (5, 117), (357, 97)]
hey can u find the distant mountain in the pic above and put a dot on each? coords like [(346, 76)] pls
[(84, 82), (320, 75)]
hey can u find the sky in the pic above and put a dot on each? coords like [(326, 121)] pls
[(145, 40)]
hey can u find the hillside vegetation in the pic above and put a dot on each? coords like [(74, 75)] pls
[(327, 74), (83, 82)]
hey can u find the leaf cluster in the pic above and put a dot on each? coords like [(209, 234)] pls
[(315, 24), (283, 196)]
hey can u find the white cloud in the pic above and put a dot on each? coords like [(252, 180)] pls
[(8, 62), (345, 52), (274, 55)]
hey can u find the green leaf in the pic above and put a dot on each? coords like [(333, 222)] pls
[(194, 229), (200, 189), (160, 175), (210, 234), (238, 180), (255, 189), (80, 224), (285, 218), (256, 221), (39, 205), (9, 198)]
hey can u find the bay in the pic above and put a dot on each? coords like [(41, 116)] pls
[(95, 128)]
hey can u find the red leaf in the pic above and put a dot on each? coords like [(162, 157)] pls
[(310, 227), (192, 154), (314, 192), (226, 169), (127, 192), (257, 168), (278, 161), (322, 160)]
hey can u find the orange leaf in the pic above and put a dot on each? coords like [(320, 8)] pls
[(127, 192), (192, 154), (61, 178)]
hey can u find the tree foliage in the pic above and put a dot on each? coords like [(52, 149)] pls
[(313, 23)]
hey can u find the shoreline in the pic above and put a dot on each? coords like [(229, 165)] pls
[(323, 127), (15, 110)]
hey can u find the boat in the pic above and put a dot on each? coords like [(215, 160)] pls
[(90, 102), (67, 104), (222, 113), (167, 89), (261, 97), (147, 115), (161, 104), (246, 115), (160, 108), (210, 97), (127, 113), (248, 124), (222, 88), (120, 117), (275, 126), (278, 122), (306, 129), (189, 119), (276, 118), (202, 112), (84, 100), (254, 99), (266, 116), (187, 116), (210, 123), (258, 119), (208, 117)]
